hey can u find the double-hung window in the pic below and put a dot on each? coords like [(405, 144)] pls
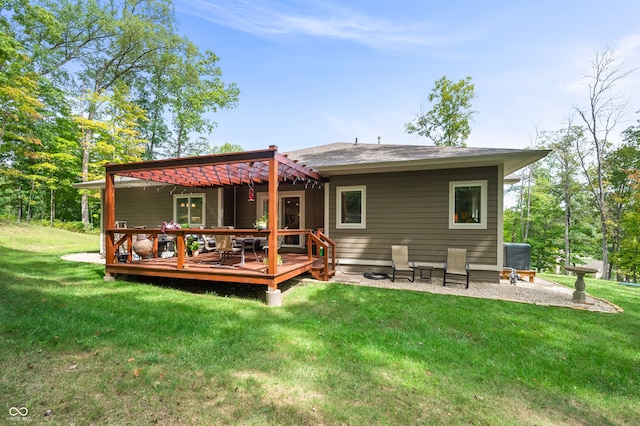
[(468, 204), (351, 207), (189, 209)]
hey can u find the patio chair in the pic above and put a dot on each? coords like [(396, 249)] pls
[(456, 264), (225, 247), (400, 262), (208, 243)]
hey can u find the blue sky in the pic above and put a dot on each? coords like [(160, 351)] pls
[(318, 72)]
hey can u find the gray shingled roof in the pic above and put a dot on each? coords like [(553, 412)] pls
[(345, 158), (349, 158)]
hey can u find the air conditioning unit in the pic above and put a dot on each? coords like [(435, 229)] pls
[(517, 256)]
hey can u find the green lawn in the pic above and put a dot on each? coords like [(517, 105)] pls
[(97, 352)]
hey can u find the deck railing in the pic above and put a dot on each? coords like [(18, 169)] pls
[(323, 247), (318, 244)]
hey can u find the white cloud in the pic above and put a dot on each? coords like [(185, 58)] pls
[(627, 45), (267, 18)]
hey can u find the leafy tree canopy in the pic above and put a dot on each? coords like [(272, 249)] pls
[(447, 123)]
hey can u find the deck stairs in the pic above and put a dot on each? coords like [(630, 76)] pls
[(324, 267)]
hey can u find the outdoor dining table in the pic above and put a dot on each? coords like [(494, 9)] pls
[(248, 242)]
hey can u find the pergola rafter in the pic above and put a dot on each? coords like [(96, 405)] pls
[(243, 168)]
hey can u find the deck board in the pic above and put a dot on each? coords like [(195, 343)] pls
[(206, 267)]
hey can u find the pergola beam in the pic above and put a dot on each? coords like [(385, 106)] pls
[(242, 168)]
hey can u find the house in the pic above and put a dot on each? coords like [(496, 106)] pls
[(362, 197), (429, 198)]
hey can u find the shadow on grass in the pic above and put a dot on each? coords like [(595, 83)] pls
[(222, 289), (364, 355)]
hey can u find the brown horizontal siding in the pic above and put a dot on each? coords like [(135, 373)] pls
[(412, 208), (150, 207), (314, 204)]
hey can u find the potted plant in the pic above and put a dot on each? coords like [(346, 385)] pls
[(192, 245), (262, 222)]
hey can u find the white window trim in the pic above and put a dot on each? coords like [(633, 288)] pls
[(483, 204), (191, 195), (262, 196), (339, 191)]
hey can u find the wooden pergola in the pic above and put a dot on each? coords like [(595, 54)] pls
[(211, 171)]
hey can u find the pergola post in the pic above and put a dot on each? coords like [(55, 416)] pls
[(273, 218), (109, 220)]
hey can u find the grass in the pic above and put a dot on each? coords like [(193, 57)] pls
[(121, 352)]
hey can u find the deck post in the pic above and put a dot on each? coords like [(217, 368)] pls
[(180, 249), (272, 265), (109, 217)]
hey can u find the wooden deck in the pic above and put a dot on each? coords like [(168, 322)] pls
[(215, 171), (208, 267)]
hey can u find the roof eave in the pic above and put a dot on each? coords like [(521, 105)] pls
[(512, 163), (120, 182)]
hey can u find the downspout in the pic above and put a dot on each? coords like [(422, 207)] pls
[(327, 195), (500, 225)]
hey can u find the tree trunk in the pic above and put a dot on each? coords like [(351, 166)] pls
[(527, 222), (52, 210), (20, 204), (567, 224), (33, 185), (605, 248), (180, 141), (86, 150)]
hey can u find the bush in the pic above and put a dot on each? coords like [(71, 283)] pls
[(73, 226)]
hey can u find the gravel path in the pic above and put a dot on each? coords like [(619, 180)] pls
[(539, 292), (84, 257)]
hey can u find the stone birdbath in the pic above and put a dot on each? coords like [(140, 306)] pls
[(579, 296)]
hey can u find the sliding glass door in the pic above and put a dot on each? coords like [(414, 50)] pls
[(291, 213)]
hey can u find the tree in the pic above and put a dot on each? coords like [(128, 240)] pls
[(447, 123), (122, 67), (36, 163), (628, 254), (194, 89), (19, 103), (545, 228), (225, 148), (623, 177), (562, 160), (153, 97), (552, 212), (600, 117), (135, 32), (522, 211), (182, 89)]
